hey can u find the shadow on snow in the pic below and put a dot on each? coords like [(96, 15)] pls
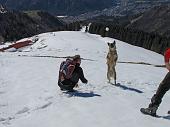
[(166, 117), (82, 94), (127, 88)]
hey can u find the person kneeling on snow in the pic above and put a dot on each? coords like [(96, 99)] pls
[(164, 86), (70, 72)]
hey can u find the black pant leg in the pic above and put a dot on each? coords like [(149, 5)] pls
[(162, 89), (66, 85)]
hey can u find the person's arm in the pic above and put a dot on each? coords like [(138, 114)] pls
[(167, 59), (81, 74), (167, 65)]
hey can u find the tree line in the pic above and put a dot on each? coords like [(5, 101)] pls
[(150, 41)]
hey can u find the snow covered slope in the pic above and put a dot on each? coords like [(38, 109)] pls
[(30, 97)]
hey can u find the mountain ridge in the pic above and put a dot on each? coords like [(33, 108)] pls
[(15, 25), (59, 7)]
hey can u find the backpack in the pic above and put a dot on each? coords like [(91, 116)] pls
[(66, 69)]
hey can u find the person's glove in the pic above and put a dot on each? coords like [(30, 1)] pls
[(86, 82), (77, 85)]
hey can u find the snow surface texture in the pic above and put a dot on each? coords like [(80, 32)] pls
[(30, 96)]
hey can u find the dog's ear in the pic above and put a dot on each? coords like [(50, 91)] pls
[(114, 42)]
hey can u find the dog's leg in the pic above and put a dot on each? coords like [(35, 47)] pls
[(114, 74), (108, 74)]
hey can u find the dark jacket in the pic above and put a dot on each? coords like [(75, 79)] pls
[(71, 82)]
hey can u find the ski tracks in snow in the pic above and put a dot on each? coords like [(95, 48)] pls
[(25, 111)]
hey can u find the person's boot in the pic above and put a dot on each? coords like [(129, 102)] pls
[(71, 90), (149, 111), (169, 112), (62, 89)]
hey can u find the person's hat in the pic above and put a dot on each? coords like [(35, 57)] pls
[(76, 57)]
